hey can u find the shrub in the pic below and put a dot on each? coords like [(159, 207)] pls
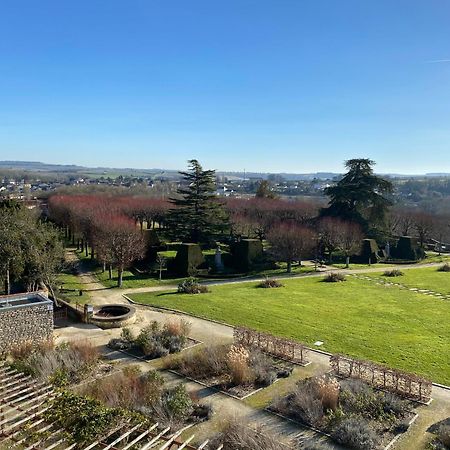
[(443, 435), (355, 433), (270, 283), (62, 365), (393, 273), (237, 435), (334, 277), (238, 364), (191, 286), (328, 390), (444, 268), (84, 418), (303, 404), (263, 371), (153, 340), (202, 363)]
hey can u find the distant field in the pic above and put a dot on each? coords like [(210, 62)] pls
[(399, 328)]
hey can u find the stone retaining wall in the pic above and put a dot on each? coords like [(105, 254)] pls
[(33, 322)]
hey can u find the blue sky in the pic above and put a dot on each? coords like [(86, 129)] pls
[(281, 85)]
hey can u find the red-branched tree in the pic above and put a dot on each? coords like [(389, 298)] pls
[(290, 242)]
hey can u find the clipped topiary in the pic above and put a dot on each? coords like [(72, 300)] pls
[(188, 260), (245, 253), (408, 249)]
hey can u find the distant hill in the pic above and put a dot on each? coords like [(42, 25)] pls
[(36, 166)]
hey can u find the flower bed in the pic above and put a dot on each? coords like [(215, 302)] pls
[(155, 341), (350, 411), (233, 369)]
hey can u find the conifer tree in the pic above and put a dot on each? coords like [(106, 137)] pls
[(197, 215), (360, 196)]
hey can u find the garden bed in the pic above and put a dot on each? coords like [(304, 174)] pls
[(232, 370), (349, 411), (155, 340)]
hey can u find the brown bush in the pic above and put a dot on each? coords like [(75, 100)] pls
[(393, 273), (270, 283), (238, 365), (237, 435), (177, 327), (201, 363), (444, 268), (328, 390), (334, 277)]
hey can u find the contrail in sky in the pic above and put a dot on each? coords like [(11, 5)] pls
[(437, 61)]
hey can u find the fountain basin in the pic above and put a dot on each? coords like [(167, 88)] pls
[(113, 316)]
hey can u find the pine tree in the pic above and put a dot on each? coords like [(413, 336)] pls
[(197, 216)]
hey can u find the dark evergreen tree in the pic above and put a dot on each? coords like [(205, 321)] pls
[(198, 215), (360, 196)]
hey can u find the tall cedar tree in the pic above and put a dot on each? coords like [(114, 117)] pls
[(360, 196), (198, 215)]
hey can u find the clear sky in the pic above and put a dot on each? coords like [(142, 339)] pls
[(280, 85)]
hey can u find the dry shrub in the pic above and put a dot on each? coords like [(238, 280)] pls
[(238, 364), (201, 363), (86, 352), (61, 365), (237, 435), (192, 286), (177, 327), (393, 273), (127, 389), (444, 268), (334, 277), (303, 404), (328, 390), (355, 433), (263, 370), (270, 283)]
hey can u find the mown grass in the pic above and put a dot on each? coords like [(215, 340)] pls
[(395, 327), (70, 286), (423, 278)]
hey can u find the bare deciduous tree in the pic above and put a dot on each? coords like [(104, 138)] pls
[(290, 242)]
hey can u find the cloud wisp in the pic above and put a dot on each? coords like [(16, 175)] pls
[(438, 61)]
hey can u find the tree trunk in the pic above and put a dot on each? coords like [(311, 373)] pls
[(110, 271), (92, 252), (104, 267), (73, 237), (330, 258), (289, 267), (86, 249), (347, 262), (7, 282), (119, 276)]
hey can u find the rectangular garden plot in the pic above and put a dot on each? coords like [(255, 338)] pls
[(349, 411), (232, 369)]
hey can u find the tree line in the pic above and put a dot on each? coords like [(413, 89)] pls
[(360, 205), (31, 251)]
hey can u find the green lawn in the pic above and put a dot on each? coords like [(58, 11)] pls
[(72, 284), (399, 328), (426, 278)]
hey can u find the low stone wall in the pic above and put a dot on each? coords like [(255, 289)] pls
[(33, 322)]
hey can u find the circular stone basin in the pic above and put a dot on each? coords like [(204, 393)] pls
[(113, 316)]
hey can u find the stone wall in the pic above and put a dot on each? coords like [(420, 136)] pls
[(32, 322)]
